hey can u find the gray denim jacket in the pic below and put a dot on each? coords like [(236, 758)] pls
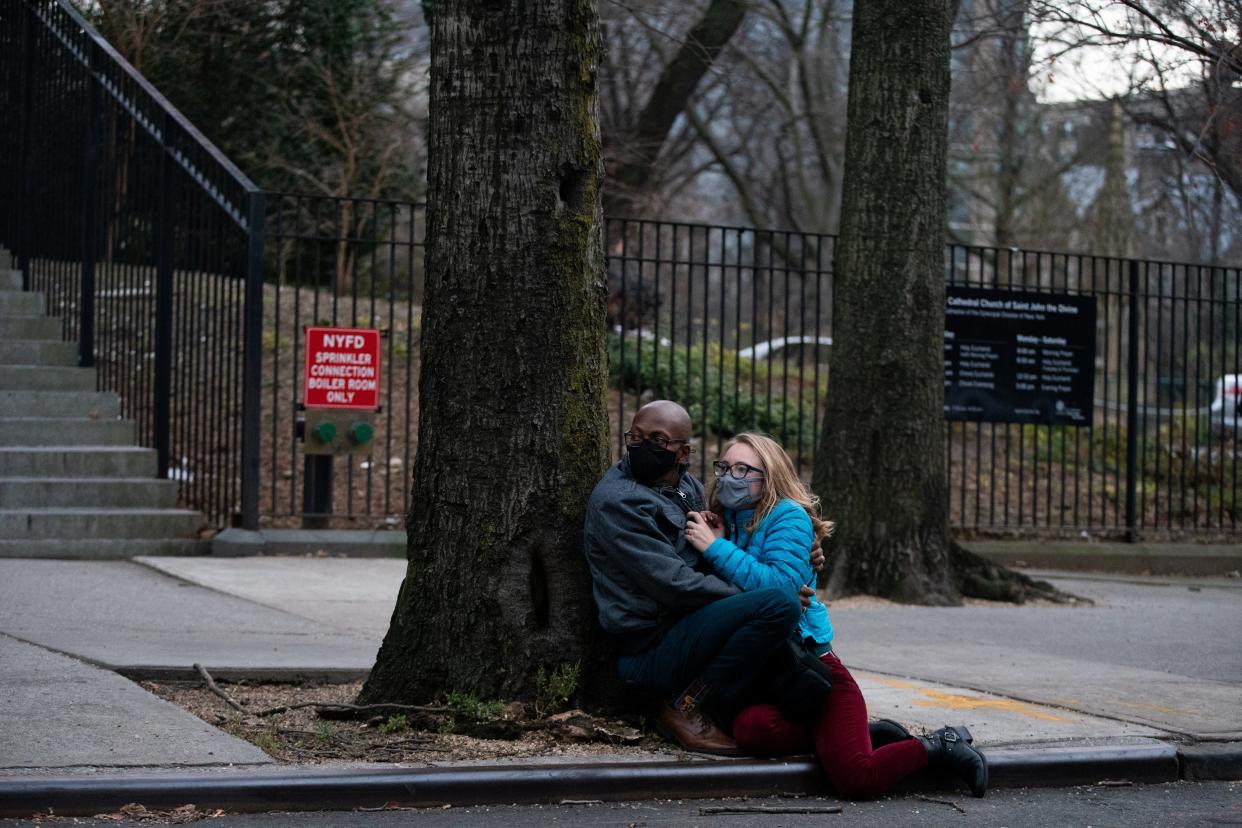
[(644, 573)]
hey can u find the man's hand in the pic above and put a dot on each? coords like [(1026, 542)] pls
[(804, 595), (817, 556)]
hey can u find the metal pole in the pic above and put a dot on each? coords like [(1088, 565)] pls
[(252, 364), (90, 180), (1132, 360), (316, 491), (165, 229), (26, 107)]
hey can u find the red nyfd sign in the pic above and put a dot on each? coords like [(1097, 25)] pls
[(342, 368)]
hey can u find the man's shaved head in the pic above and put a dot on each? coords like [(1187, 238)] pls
[(667, 416), (667, 425)]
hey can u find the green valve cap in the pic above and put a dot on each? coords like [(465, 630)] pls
[(362, 432), (325, 432)]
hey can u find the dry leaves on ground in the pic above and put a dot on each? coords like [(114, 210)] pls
[(133, 812), (301, 736)]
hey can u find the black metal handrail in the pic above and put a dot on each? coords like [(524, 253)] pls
[(113, 196)]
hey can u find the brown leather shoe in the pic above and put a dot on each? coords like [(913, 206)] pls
[(694, 731)]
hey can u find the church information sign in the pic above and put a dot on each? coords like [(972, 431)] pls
[(1017, 357)]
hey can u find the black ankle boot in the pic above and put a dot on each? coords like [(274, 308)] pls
[(886, 732), (952, 748)]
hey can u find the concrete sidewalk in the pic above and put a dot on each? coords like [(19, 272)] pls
[(1151, 670)]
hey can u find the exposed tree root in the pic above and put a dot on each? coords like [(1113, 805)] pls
[(977, 577)]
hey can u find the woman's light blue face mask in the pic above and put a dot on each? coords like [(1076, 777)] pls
[(734, 493)]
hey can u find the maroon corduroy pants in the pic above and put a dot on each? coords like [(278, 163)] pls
[(839, 738)]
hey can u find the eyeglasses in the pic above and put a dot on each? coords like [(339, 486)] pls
[(659, 440), (738, 470)]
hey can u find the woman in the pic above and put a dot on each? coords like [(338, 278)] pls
[(759, 534)]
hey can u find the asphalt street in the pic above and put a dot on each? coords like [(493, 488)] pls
[(1169, 805)]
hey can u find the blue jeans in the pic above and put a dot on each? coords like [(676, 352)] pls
[(724, 644)]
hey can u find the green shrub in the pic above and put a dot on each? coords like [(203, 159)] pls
[(724, 393), (467, 706), (553, 690), (395, 724), (1176, 475)]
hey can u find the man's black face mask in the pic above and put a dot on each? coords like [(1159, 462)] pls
[(649, 462)]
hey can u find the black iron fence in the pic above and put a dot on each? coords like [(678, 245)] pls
[(737, 324), (351, 263), (1161, 455), (734, 322), (189, 290), (146, 241)]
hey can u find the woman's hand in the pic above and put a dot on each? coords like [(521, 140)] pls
[(698, 533)]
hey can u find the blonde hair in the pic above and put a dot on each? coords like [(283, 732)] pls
[(781, 482)]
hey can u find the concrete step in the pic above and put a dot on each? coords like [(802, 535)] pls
[(103, 548), (95, 405), (65, 431), (77, 461), (39, 378), (29, 327), (84, 523), (10, 279), (87, 492), (20, 303), (38, 352)]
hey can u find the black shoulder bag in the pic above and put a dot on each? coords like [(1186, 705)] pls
[(795, 680)]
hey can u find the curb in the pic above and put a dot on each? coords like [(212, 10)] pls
[(549, 784), (351, 543), (1193, 559), (1066, 766), (165, 672), (1211, 762), (424, 787)]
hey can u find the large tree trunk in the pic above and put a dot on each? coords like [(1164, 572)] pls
[(880, 466), (512, 431)]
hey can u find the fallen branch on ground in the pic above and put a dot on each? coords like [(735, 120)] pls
[(346, 711), (352, 708), (770, 809), (935, 801), (211, 685)]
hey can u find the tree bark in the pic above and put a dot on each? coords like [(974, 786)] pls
[(880, 467), (512, 432)]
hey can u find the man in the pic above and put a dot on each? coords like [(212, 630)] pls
[(684, 635)]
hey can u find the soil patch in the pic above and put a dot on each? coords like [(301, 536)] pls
[(303, 736)]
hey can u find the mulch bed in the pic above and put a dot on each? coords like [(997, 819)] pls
[(431, 734)]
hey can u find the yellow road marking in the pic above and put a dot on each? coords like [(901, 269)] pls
[(895, 683), (939, 698)]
